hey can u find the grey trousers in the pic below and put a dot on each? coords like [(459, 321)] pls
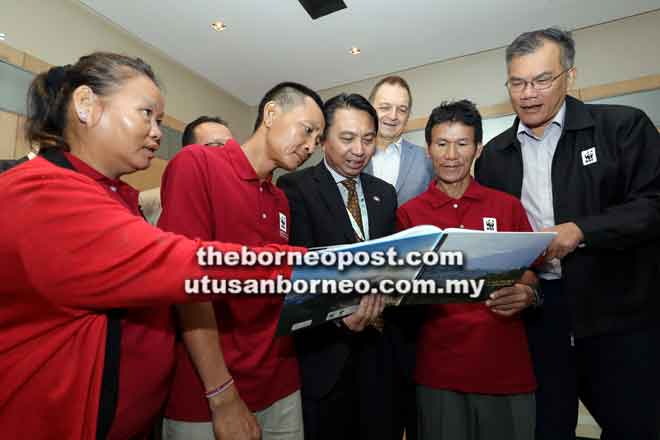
[(281, 421), (449, 415)]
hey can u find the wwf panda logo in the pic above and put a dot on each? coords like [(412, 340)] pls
[(490, 224)]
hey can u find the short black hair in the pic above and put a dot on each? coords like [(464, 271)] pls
[(188, 136), (286, 94), (463, 111), (346, 101)]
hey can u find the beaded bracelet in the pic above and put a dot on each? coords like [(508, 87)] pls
[(221, 389)]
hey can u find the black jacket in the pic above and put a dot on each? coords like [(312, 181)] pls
[(319, 218), (7, 164), (613, 283)]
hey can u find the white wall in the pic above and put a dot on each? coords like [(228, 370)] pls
[(610, 52), (60, 31)]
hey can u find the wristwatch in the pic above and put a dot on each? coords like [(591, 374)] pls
[(538, 296)]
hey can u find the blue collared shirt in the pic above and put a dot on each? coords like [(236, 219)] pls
[(536, 195)]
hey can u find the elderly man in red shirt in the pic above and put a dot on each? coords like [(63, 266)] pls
[(227, 192), (473, 373)]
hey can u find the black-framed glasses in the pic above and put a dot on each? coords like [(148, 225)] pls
[(517, 85)]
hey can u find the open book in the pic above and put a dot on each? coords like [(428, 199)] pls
[(468, 266)]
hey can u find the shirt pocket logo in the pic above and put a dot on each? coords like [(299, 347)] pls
[(490, 224), (283, 226), (589, 156)]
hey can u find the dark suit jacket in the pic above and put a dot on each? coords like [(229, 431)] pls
[(319, 218)]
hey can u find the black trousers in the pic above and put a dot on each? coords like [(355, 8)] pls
[(371, 400), (615, 375)]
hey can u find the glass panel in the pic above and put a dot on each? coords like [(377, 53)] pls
[(648, 101), (416, 137), (492, 127), (495, 126), (169, 144), (14, 85)]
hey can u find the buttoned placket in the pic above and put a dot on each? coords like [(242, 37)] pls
[(262, 209), (459, 211)]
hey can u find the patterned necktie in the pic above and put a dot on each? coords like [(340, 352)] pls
[(354, 208), (352, 204)]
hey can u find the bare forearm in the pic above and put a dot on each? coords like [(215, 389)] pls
[(202, 340), (529, 278)]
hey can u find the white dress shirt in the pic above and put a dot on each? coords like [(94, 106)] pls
[(386, 162)]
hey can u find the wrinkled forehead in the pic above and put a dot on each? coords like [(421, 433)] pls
[(546, 58), (392, 94), (452, 131)]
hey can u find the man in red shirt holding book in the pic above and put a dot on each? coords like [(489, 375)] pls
[(230, 363), (473, 371)]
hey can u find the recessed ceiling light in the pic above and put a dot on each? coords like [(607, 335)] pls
[(2, 36), (355, 51), (218, 26)]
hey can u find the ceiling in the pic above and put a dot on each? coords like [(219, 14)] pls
[(268, 41)]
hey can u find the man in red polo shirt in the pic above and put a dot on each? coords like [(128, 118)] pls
[(227, 193), (473, 373)]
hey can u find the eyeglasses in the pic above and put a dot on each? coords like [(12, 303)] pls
[(517, 85)]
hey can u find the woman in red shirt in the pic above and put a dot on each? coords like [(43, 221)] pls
[(86, 336)]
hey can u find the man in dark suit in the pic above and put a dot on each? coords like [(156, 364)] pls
[(346, 365)]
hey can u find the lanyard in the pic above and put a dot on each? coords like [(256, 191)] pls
[(356, 227)]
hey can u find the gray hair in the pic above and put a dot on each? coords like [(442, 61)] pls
[(529, 42)]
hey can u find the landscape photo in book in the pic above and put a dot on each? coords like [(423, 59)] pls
[(498, 258), (490, 260)]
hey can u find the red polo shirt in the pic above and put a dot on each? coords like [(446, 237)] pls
[(466, 347), (69, 252), (214, 193), (147, 341)]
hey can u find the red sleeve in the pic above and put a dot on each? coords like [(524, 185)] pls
[(402, 219), (185, 198), (81, 249)]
